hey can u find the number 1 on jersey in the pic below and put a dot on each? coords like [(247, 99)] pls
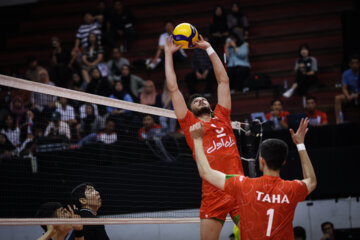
[(270, 212)]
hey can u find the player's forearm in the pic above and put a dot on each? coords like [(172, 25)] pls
[(345, 91), (308, 170), (214, 177), (219, 69), (170, 73)]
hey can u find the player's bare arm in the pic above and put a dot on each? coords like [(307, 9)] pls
[(224, 96), (177, 98), (214, 177), (307, 168)]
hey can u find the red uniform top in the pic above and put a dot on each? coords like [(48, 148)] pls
[(318, 118), (142, 133), (219, 144), (283, 115), (267, 205)]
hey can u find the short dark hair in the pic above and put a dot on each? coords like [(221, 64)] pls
[(300, 232), (191, 99), (169, 21), (274, 151), (311, 98), (276, 100), (326, 223), (354, 56), (47, 210), (79, 192), (302, 46)]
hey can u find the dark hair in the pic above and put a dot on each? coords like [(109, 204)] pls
[(79, 192), (300, 232), (274, 151), (13, 120), (30, 59), (47, 210), (311, 98), (354, 56), (96, 40), (277, 100), (191, 99), (326, 223), (87, 12), (302, 46), (109, 119), (169, 21)]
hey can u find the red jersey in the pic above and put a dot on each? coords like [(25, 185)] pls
[(267, 205), (317, 118), (219, 143), (283, 115), (143, 132)]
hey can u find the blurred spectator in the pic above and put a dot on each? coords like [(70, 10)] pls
[(316, 117), (77, 83), (350, 88), (237, 22), (299, 233), (115, 65), (28, 125), (11, 131), (149, 96), (306, 68), (91, 122), (101, 14), (42, 101), (6, 148), (56, 127), (89, 125), (149, 129), (120, 94), (93, 55), (133, 84), (120, 26), (33, 68), (330, 233), (201, 70), (109, 135), (90, 26), (60, 60), (98, 85), (66, 111), (83, 112), (18, 110), (277, 115), (237, 55), (180, 55), (218, 29), (169, 124)]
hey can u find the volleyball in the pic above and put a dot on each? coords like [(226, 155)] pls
[(185, 35)]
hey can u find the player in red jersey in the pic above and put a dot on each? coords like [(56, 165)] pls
[(219, 140), (267, 204)]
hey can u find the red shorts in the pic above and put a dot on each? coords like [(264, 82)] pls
[(218, 206)]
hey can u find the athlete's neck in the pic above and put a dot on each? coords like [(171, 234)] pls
[(205, 117), (92, 209), (273, 173)]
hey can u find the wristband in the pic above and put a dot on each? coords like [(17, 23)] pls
[(210, 50), (300, 147), (79, 234)]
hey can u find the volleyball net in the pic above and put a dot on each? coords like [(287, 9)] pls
[(54, 139)]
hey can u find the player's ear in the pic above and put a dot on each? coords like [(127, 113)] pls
[(82, 201)]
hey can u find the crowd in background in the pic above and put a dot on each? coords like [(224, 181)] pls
[(110, 31)]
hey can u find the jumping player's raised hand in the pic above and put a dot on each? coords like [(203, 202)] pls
[(197, 130), (201, 43), (170, 46), (299, 136)]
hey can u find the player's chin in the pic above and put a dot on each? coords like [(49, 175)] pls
[(202, 111)]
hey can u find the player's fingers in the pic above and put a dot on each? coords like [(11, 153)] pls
[(201, 37)]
